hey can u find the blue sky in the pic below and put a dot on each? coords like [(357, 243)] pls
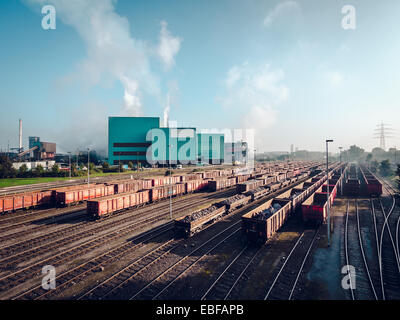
[(284, 68)]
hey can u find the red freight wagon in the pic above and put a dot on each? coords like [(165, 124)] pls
[(174, 179), (259, 226), (221, 183), (211, 174), (242, 177), (281, 177), (189, 177), (68, 197), (163, 192), (147, 184), (314, 209), (195, 185), (114, 203), (24, 201), (122, 186), (374, 187), (296, 195), (249, 185), (156, 181)]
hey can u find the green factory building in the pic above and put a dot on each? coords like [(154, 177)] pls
[(142, 141)]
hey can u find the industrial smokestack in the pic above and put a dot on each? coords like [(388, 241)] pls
[(20, 134), (166, 112)]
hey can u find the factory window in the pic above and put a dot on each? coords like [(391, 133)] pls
[(129, 153), (131, 145)]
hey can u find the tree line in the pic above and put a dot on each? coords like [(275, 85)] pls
[(8, 171)]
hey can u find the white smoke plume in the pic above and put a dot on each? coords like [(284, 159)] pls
[(112, 52), (255, 91), (168, 46), (166, 111)]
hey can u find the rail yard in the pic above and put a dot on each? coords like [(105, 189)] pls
[(215, 234)]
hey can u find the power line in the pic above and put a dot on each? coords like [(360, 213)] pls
[(382, 132)]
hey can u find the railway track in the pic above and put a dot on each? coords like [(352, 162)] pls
[(16, 253), (387, 250), (222, 287), (116, 285), (170, 255), (362, 287), (160, 284), (37, 216), (284, 283), (26, 273), (78, 273), (110, 287), (393, 192)]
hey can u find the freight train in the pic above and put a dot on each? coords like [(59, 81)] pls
[(314, 208), (372, 186), (66, 196), (190, 224), (263, 222)]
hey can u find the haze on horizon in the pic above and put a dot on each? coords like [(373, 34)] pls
[(285, 68)]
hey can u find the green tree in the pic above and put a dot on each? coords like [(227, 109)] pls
[(374, 166), (384, 168), (22, 171), (369, 158), (398, 175), (74, 172), (106, 166), (6, 168), (55, 170), (91, 167), (130, 165), (355, 153), (38, 171)]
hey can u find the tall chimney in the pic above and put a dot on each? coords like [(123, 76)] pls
[(20, 134)]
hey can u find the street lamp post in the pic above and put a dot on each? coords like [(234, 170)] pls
[(327, 194), (88, 152), (341, 170), (170, 202), (69, 160)]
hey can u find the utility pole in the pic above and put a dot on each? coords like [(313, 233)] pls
[(69, 160), (327, 194), (88, 152), (341, 170), (170, 202)]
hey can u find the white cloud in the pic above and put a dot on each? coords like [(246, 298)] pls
[(279, 10), (168, 46), (255, 91), (335, 78), (112, 52)]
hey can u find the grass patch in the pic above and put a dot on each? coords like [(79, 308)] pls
[(11, 182)]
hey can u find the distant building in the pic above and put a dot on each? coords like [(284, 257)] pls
[(141, 140), (236, 152), (47, 165), (41, 150)]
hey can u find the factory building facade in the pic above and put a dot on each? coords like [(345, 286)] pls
[(236, 152), (142, 141), (40, 150)]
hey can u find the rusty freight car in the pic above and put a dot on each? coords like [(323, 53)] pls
[(261, 223), (194, 221), (9, 203), (105, 206)]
